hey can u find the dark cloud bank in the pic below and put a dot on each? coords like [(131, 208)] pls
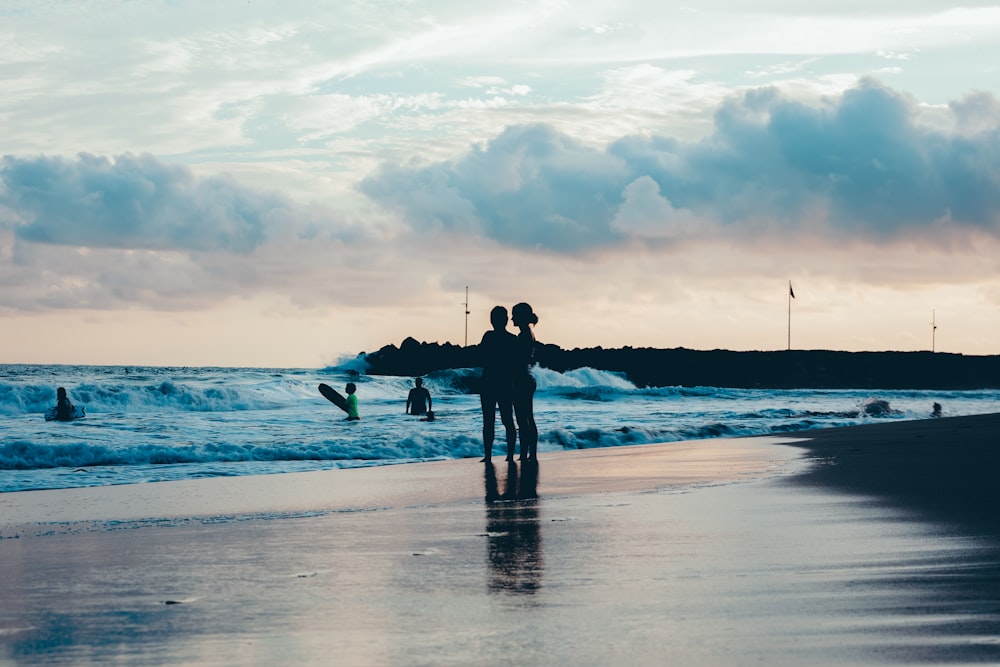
[(861, 166), (133, 201)]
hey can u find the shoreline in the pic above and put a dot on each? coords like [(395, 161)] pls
[(628, 469), (788, 551)]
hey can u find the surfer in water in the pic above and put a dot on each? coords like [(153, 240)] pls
[(352, 402), (524, 382), (419, 402), (64, 408), (496, 391)]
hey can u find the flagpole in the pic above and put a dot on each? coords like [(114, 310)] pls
[(466, 304), (790, 315), (933, 331)]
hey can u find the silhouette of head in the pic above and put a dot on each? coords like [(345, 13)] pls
[(61, 393), (419, 382), (498, 317), (522, 315), (351, 387)]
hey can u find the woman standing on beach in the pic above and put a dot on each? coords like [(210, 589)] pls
[(497, 348), (524, 383)]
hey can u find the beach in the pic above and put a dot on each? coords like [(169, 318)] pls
[(867, 545)]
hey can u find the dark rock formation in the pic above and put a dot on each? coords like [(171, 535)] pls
[(651, 367)]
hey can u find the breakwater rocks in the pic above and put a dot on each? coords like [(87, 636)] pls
[(652, 367)]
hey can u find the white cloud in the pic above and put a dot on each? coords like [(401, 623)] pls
[(892, 55), (780, 69), (646, 213), (977, 112)]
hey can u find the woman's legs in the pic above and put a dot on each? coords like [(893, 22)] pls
[(524, 411), (507, 419)]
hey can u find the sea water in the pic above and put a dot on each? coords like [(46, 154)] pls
[(154, 423)]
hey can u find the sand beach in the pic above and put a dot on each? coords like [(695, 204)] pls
[(869, 545)]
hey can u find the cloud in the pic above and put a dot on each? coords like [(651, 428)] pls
[(646, 213), (977, 112), (529, 187), (859, 166), (104, 233), (133, 201)]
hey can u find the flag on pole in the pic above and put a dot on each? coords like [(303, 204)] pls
[(791, 295)]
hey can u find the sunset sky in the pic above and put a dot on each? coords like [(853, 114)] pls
[(285, 183)]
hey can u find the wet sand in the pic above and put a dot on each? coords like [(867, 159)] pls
[(945, 470), (862, 546)]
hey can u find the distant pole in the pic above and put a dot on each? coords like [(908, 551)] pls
[(791, 295), (933, 330), (466, 316)]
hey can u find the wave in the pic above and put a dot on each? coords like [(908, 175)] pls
[(723, 424), (160, 394), (627, 435), (581, 378), (390, 388), (349, 365), (23, 455), (122, 391), (578, 383)]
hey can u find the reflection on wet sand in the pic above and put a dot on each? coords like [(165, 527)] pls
[(515, 540)]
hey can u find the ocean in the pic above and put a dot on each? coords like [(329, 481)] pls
[(147, 424)]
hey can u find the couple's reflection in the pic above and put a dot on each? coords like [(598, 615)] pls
[(512, 529)]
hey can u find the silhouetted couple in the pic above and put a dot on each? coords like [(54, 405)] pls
[(507, 383)]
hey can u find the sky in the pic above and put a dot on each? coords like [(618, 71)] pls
[(287, 184)]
